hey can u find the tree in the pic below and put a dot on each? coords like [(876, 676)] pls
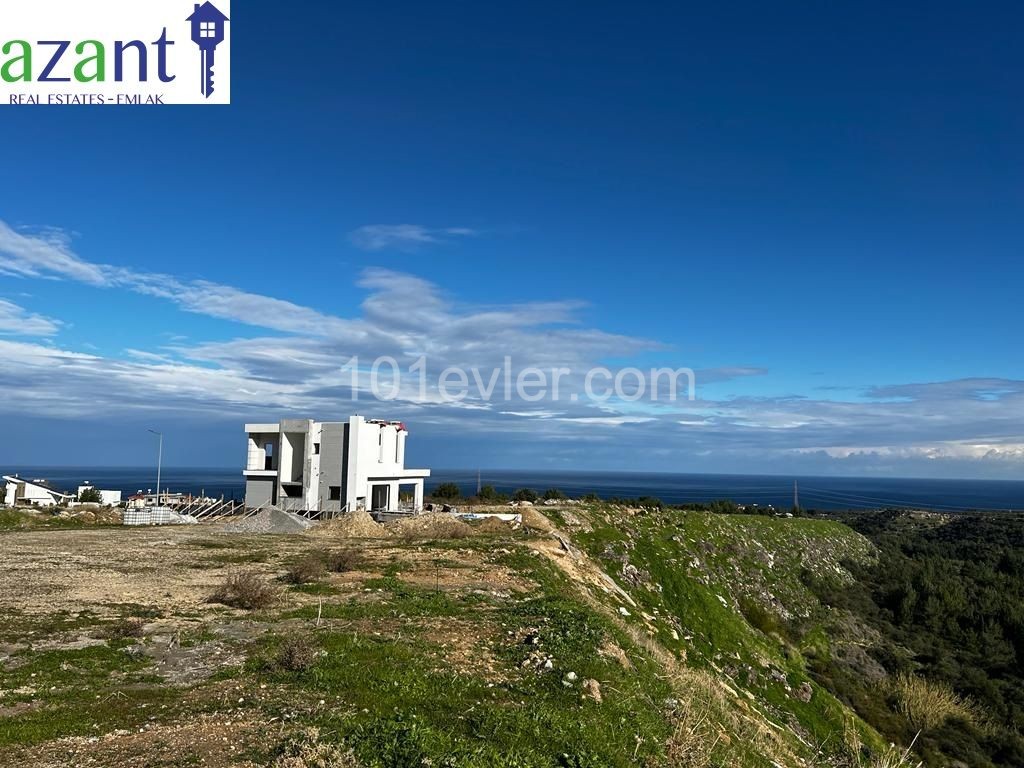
[(447, 491), (553, 493), (488, 493), (90, 496), (525, 494)]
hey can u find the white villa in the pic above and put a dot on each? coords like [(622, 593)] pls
[(38, 493), (330, 466)]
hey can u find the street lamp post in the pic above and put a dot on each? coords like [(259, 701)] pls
[(159, 462)]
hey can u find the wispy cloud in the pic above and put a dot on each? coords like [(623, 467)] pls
[(16, 321), (46, 253), (403, 237), (970, 422)]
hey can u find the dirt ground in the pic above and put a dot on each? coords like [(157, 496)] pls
[(175, 568), (62, 589)]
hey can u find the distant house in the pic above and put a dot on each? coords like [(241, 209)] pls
[(330, 467), (35, 492), (107, 498)]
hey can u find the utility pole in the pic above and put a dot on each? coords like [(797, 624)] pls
[(478, 482), (796, 496), (159, 462)]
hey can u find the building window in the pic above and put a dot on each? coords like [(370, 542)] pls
[(334, 493), (207, 29), (316, 448)]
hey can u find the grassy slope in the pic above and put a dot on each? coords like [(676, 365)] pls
[(404, 675), (712, 588)]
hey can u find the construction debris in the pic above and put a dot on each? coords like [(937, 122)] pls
[(270, 520)]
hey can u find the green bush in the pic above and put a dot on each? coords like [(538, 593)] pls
[(447, 491), (488, 493), (90, 496), (525, 494)]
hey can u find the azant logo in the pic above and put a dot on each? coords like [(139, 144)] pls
[(115, 52)]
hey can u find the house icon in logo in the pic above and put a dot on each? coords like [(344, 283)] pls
[(207, 33)]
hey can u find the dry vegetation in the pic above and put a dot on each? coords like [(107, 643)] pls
[(927, 704), (247, 590)]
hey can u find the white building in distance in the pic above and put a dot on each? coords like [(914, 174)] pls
[(107, 498), (39, 493), (330, 466)]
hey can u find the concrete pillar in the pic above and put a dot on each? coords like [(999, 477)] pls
[(417, 496), (393, 496)]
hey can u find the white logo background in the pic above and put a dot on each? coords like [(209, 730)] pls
[(108, 21)]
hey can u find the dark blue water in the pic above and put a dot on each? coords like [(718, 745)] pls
[(815, 492)]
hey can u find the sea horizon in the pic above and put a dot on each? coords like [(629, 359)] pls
[(824, 492)]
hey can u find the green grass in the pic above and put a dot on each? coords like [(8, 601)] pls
[(399, 702), (711, 579), (15, 519), (18, 626), (84, 691)]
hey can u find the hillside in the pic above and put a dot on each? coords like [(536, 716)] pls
[(596, 636)]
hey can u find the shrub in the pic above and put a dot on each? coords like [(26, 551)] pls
[(131, 627), (525, 494), (90, 496), (761, 618), (554, 493), (245, 589), (447, 491), (305, 750), (488, 493), (343, 560), (307, 570), (927, 704), (296, 653)]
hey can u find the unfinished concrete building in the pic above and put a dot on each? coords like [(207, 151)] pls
[(331, 467)]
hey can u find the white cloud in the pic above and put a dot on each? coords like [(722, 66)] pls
[(44, 254), (15, 321), (403, 237), (970, 421)]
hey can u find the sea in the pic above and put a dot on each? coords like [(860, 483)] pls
[(824, 493)]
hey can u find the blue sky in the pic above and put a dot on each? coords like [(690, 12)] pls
[(816, 209)]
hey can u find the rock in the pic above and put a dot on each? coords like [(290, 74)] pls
[(592, 689), (634, 575), (536, 521), (804, 692), (623, 611)]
